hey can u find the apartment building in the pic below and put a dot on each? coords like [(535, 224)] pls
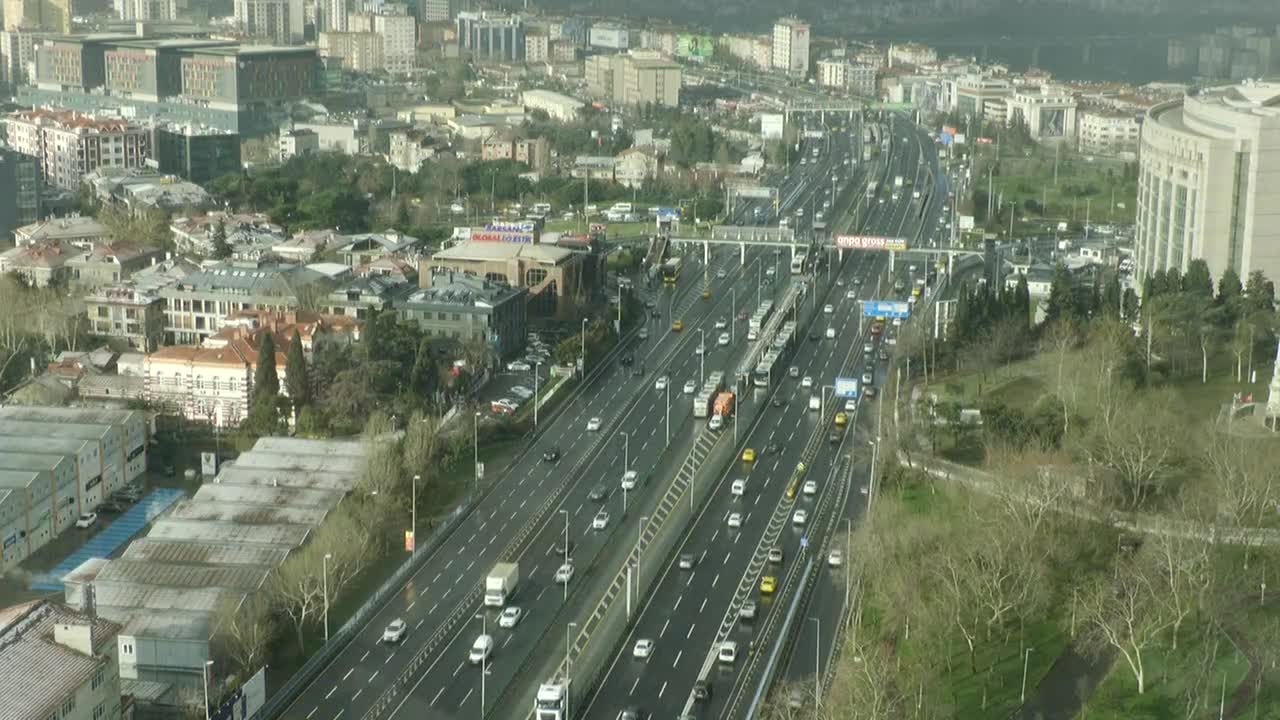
[(791, 47), (465, 307), (1048, 112), (557, 106), (912, 54), (293, 143), (20, 205), (358, 51), (76, 230), (146, 9), (58, 662), (69, 145), (537, 48), (127, 313), (50, 15), (534, 152), (634, 79), (399, 52), (409, 149), (1108, 132), (17, 56), (280, 21), (42, 265), (197, 305)]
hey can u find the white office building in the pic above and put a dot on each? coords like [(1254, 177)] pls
[(791, 47)]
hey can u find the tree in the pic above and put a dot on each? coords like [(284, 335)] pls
[(221, 248), (1060, 303), (296, 589), (244, 632), (1138, 437), (266, 383), (1230, 291), (296, 378), (1112, 296), (1198, 282), (1260, 293), (425, 377), (1124, 613), (1022, 300)]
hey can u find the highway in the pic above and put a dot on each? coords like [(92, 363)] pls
[(692, 611), (448, 582)]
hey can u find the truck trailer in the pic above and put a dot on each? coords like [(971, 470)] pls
[(500, 584)]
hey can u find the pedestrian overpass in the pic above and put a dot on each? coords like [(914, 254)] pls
[(781, 238)]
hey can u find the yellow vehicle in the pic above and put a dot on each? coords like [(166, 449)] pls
[(749, 455), (768, 584), (841, 419), (677, 325), (706, 293), (881, 319), (915, 291)]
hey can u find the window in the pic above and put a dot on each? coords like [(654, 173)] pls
[(68, 706), (100, 676), (99, 710)]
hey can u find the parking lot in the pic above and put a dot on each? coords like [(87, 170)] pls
[(514, 385)]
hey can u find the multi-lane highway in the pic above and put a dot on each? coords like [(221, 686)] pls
[(503, 525), (694, 611)]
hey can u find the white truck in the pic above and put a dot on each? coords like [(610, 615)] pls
[(897, 181), (500, 584)]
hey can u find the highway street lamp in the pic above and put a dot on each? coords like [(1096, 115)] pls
[(324, 581), (871, 482), (537, 366), (817, 663), (565, 512), (475, 453), (204, 677), (733, 314), (1026, 657), (639, 540), (668, 412), (702, 345), (568, 662), (413, 512), (584, 346), (626, 466)]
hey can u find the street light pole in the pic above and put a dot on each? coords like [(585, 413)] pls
[(536, 367), (733, 314), (484, 662), (584, 346), (475, 453), (324, 581), (1026, 657), (413, 522), (668, 413), (639, 540), (204, 677), (565, 512), (871, 482), (568, 663)]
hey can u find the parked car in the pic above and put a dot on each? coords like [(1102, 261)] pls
[(87, 520)]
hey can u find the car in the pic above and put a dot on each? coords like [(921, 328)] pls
[(867, 378), (828, 309), (735, 520), (851, 295), (133, 493), (593, 425), (831, 333), (753, 334), (723, 339), (777, 401), (629, 479), (747, 611), (551, 455), (743, 314), (806, 382), (810, 487), (690, 387), (868, 348), (519, 366), (721, 323), (677, 325), (510, 616), (481, 649), (834, 437), (841, 419), (793, 371), (661, 383), (637, 371), (850, 405), (643, 334), (627, 360), (897, 322), (869, 391), (395, 632), (884, 356), (835, 558), (643, 648), (87, 520), (563, 550), (768, 584), (700, 350), (113, 506), (630, 713), (650, 304), (687, 561), (775, 555), (656, 314), (599, 493), (564, 574), (815, 336), (749, 455), (800, 517), (600, 521), (772, 449), (891, 341), (706, 293), (522, 392), (728, 652), (715, 423)]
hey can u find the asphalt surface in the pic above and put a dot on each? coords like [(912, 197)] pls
[(690, 609)]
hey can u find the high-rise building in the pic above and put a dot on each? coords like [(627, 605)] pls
[(633, 79), (433, 11), (196, 154), (491, 36), (17, 57), (20, 202), (537, 48), (359, 51), (52, 15), (334, 16), (280, 21), (1208, 179), (791, 47), (69, 145), (146, 9), (399, 52)]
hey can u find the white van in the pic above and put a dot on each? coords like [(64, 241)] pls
[(815, 402), (716, 422), (831, 333), (739, 488), (481, 649)]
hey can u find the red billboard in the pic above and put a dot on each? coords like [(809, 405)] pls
[(871, 242), (501, 236)]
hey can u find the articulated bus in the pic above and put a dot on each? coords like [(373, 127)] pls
[(671, 271)]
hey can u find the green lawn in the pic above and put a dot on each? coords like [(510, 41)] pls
[(1082, 185)]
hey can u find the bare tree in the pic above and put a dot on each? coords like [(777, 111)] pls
[(1030, 483), (1242, 482), (1185, 570), (1139, 438), (866, 685), (1124, 613), (297, 591), (1059, 339), (244, 633)]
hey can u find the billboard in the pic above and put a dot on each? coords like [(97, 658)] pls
[(755, 192), (846, 388), (870, 242), (522, 226), (695, 46), (772, 125), (885, 308), (966, 222), (511, 236)]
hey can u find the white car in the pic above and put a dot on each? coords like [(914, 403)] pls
[(593, 425), (643, 648), (510, 616), (721, 323), (519, 366), (810, 487), (806, 382), (86, 520), (735, 520), (835, 559), (700, 349), (728, 652), (850, 405), (753, 334), (715, 423), (661, 383), (800, 518), (690, 387), (395, 632), (851, 295), (897, 322), (721, 273), (747, 611), (600, 521), (629, 480), (867, 379), (828, 309), (564, 574), (522, 392), (723, 339), (831, 333), (481, 649)]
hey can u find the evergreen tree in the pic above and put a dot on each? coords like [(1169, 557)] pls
[(1198, 281), (266, 383), (1130, 305), (1059, 304), (1112, 296), (296, 378), (962, 322), (221, 248), (1260, 293), (1022, 300), (1172, 281), (425, 377), (1229, 288)]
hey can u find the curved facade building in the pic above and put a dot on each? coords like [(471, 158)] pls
[(1209, 182)]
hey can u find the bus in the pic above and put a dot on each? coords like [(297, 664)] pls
[(798, 262), (871, 191), (671, 271)]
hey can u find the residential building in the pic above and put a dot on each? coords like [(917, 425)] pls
[(41, 266), (306, 245), (358, 51), (468, 308), (77, 230), (59, 661), (550, 274), (20, 202), (1208, 176), (198, 154), (833, 73), (973, 93), (108, 264), (433, 11), (293, 143), (141, 189), (634, 79), (398, 32), (594, 167), (1108, 132), (493, 37), (791, 47), (17, 56), (563, 51), (333, 16), (360, 296), (70, 145), (635, 165), (602, 82), (362, 249), (913, 54), (609, 36), (537, 48), (1049, 113), (126, 313), (197, 305), (841, 74), (280, 21), (534, 152), (146, 10), (409, 149), (51, 15), (561, 108)]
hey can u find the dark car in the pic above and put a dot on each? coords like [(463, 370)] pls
[(627, 360), (655, 313), (599, 493), (551, 455), (650, 304), (884, 356), (631, 713), (814, 337), (833, 438), (702, 691), (562, 550), (869, 391), (772, 449), (777, 401), (638, 370)]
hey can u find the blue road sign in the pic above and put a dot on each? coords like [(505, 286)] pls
[(846, 387), (885, 308)]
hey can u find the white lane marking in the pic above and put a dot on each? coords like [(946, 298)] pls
[(437, 697), (459, 668), (690, 632), (365, 655), (466, 697), (664, 628), (419, 625), (332, 690), (704, 604), (633, 687), (433, 608), (353, 697), (415, 602), (344, 677), (314, 709), (374, 675), (678, 656)]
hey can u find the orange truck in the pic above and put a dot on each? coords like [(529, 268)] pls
[(723, 405)]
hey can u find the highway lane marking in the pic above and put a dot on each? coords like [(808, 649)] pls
[(633, 687), (374, 675), (459, 668), (314, 709), (353, 697), (332, 690), (466, 697), (437, 577), (678, 656), (415, 627), (664, 627), (446, 566), (335, 717), (415, 602), (662, 689), (690, 632), (507, 641), (437, 697), (433, 608), (384, 662), (544, 590), (365, 655), (344, 677), (715, 580), (704, 601), (677, 605), (471, 564)]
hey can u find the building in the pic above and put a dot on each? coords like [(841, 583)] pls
[(359, 296), (109, 264), (333, 15), (791, 47), (76, 230), (537, 48), (126, 313), (360, 250), (464, 307), (358, 51), (399, 51), (293, 143), (145, 188), (1107, 132), (17, 56), (840, 74), (59, 661), (197, 305), (41, 266), (973, 93), (51, 15), (913, 54), (635, 165), (550, 274), (195, 233), (195, 153), (434, 11), (280, 21), (409, 149), (632, 79), (20, 202), (147, 10), (560, 108), (609, 36), (1208, 176), (534, 152), (492, 37), (69, 145), (1049, 113)]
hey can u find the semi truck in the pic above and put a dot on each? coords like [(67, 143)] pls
[(897, 181), (501, 584)]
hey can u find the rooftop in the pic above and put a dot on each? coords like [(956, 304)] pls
[(502, 251), (1251, 97), (211, 553), (36, 670), (464, 290)]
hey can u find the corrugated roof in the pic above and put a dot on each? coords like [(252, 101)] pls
[(36, 672), (233, 577), (283, 536), (134, 595), (285, 477), (246, 513), (153, 550), (264, 495)]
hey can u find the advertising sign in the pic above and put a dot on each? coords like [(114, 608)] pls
[(10, 540), (668, 213), (949, 130), (597, 228), (502, 236), (208, 464), (983, 140), (695, 46), (755, 192), (870, 242), (409, 542), (523, 226), (846, 388), (772, 125), (885, 308), (966, 222), (945, 138)]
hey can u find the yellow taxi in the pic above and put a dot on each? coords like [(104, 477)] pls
[(749, 455), (915, 291), (677, 325), (881, 319), (706, 293), (841, 419), (768, 584)]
